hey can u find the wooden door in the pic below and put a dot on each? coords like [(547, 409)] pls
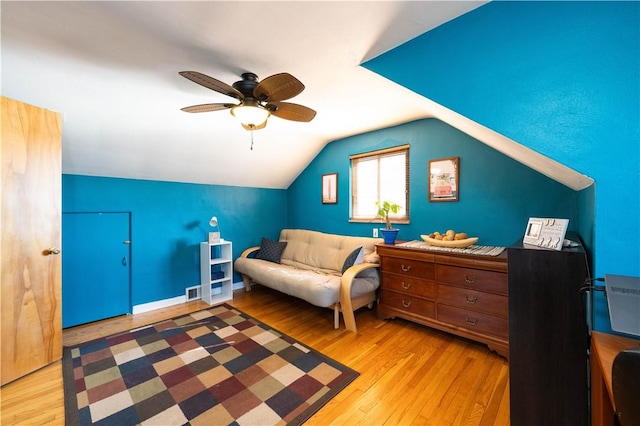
[(30, 220), (95, 267)]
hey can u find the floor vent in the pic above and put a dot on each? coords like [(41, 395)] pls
[(193, 293)]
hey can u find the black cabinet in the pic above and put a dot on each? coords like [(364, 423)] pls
[(548, 336)]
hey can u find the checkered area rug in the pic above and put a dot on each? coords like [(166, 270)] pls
[(212, 367)]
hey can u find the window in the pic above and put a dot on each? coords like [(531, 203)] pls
[(380, 176)]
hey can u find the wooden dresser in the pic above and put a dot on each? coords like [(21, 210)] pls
[(458, 293)]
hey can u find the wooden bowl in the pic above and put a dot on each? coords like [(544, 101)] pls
[(455, 243)]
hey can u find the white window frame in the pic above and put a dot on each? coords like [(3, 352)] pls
[(373, 190)]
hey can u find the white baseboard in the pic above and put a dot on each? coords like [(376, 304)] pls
[(158, 304), (146, 307)]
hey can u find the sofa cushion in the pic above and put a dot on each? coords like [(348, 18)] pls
[(319, 289), (356, 257), (372, 257), (271, 250), (320, 252)]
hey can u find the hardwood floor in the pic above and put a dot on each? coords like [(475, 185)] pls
[(409, 374)]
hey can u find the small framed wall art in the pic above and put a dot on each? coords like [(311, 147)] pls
[(330, 188), (443, 179)]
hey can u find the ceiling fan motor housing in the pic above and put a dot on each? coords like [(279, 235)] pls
[(247, 85)]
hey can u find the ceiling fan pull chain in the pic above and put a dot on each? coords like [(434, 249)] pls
[(251, 140)]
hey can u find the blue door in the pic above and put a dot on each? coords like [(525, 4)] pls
[(95, 267)]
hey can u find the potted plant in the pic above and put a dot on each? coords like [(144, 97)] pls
[(384, 208)]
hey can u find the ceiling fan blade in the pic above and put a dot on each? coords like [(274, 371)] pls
[(212, 83), (278, 87), (290, 111), (206, 107)]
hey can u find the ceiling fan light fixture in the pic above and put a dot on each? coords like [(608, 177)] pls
[(251, 116)]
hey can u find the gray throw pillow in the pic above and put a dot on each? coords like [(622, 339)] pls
[(271, 250), (355, 258)]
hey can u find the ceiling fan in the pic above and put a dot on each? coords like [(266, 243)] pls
[(258, 100)]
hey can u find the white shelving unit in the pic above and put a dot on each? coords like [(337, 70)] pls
[(216, 272)]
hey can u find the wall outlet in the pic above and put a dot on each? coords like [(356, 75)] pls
[(375, 232)]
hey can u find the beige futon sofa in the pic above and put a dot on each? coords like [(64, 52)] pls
[(328, 270)]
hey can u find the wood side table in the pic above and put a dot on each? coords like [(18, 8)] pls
[(604, 348)]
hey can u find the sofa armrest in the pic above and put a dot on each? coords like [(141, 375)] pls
[(345, 292), (245, 278), (248, 251)]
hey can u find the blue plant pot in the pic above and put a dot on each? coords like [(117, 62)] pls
[(389, 235)]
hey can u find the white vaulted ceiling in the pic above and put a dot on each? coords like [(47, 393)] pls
[(111, 69)]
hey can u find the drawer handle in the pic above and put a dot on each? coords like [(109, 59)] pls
[(470, 280), (471, 300), (471, 321), (406, 304), (406, 286), (405, 268)]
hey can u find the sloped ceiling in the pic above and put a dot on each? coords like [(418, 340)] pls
[(111, 69)]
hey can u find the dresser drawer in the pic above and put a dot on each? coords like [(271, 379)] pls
[(474, 321), (476, 279), (408, 267), (494, 304), (409, 285), (413, 305)]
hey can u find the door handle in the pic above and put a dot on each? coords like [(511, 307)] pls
[(51, 250), (124, 261), (126, 242)]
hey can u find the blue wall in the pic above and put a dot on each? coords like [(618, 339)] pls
[(169, 220), (562, 78), (497, 194)]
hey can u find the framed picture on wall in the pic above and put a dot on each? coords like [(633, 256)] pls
[(330, 188), (443, 179)]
